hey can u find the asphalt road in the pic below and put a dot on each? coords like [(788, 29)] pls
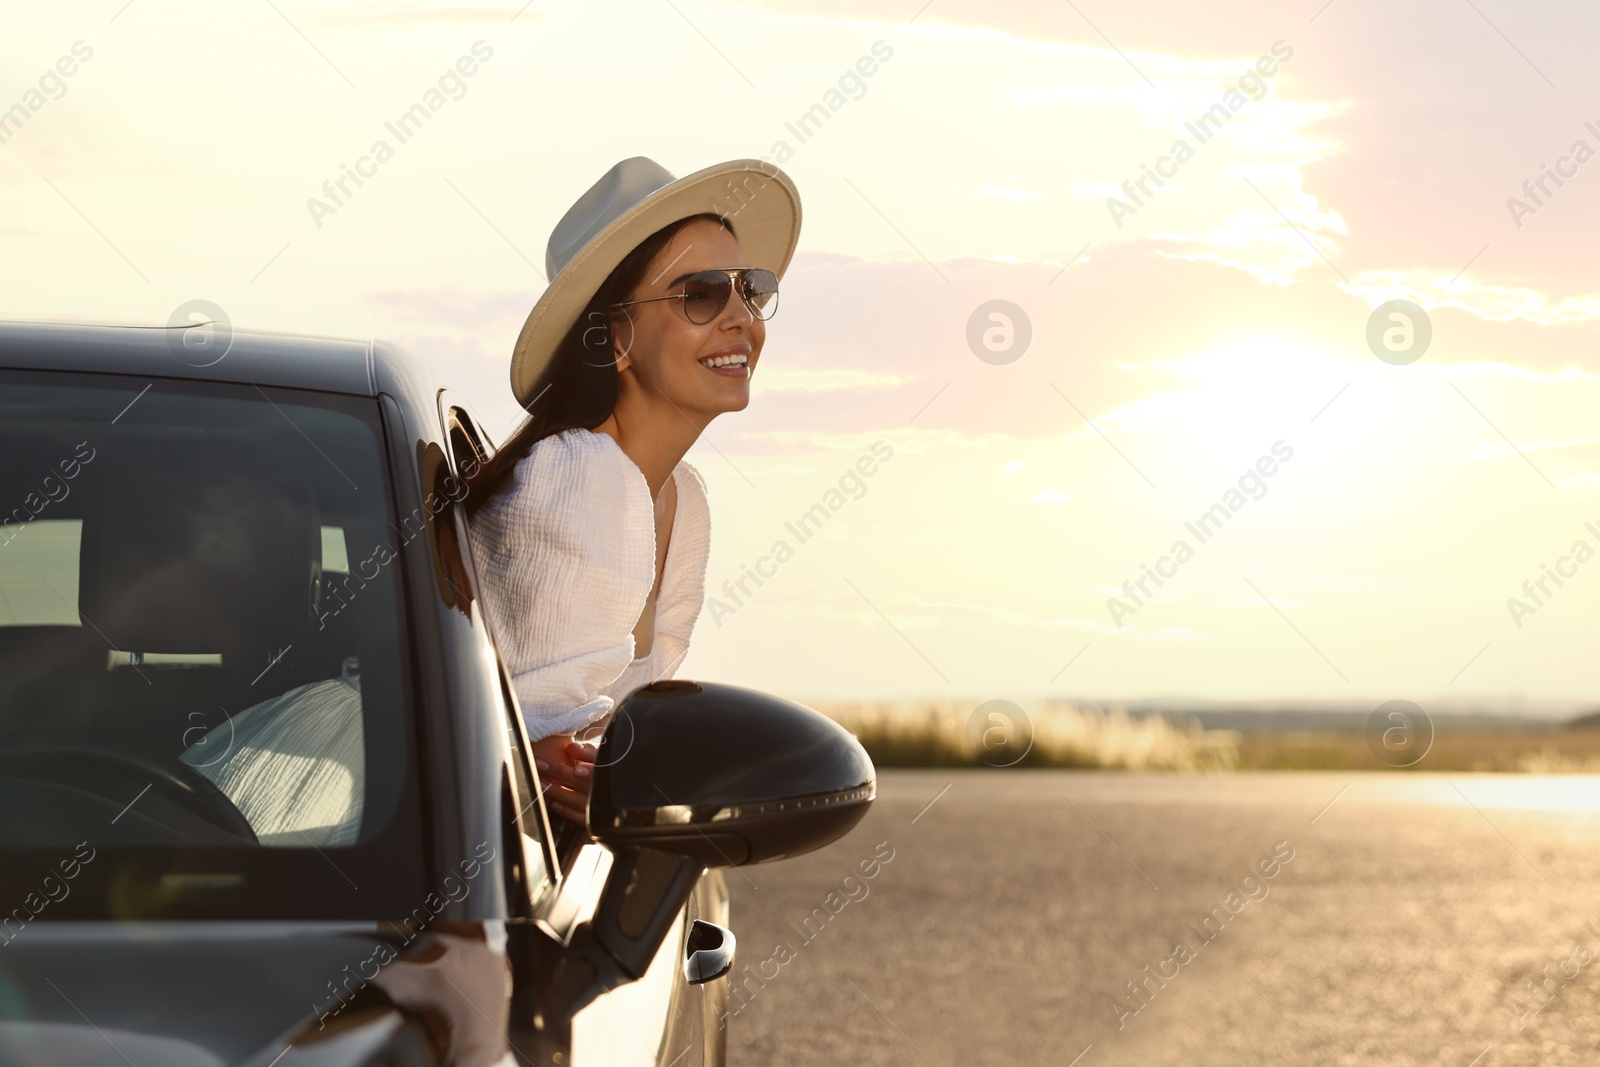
[(1403, 918)]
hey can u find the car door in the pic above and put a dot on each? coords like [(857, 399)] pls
[(661, 1019)]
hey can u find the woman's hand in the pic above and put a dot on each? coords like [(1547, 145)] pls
[(565, 769)]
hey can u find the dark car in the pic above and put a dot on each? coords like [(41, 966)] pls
[(265, 790)]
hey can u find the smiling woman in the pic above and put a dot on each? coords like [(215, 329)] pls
[(590, 529)]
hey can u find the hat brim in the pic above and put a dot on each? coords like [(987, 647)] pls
[(758, 198)]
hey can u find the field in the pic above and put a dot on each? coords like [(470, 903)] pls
[(1555, 751), (1063, 735)]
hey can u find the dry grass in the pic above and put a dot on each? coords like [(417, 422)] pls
[(932, 733), (1551, 761), (935, 734), (1555, 751)]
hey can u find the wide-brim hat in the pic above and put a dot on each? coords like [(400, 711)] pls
[(630, 202)]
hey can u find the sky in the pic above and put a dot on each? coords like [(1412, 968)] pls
[(1213, 339)]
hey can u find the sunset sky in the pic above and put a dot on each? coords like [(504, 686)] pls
[(1175, 340)]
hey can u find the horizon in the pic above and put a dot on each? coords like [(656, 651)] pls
[(1553, 712)]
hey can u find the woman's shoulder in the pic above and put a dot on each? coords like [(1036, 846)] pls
[(577, 464), (577, 447), (572, 487)]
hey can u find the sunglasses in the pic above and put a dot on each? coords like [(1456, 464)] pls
[(705, 293)]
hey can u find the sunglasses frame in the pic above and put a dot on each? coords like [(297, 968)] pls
[(739, 284)]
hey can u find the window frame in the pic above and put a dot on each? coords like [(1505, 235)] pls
[(522, 787)]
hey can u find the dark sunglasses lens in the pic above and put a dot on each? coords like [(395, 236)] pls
[(761, 289), (705, 295)]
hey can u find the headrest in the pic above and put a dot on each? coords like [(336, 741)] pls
[(168, 566)]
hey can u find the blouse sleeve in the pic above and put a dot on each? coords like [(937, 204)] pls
[(565, 552)]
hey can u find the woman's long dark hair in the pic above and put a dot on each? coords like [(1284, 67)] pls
[(579, 389)]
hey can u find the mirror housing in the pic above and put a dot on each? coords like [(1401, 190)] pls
[(725, 775)]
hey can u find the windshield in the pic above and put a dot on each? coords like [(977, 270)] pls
[(201, 648)]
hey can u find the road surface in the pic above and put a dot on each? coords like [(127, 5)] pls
[(1105, 919)]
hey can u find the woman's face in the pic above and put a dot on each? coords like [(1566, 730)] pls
[(662, 355)]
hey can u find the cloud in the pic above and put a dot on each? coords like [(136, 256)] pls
[(1432, 289)]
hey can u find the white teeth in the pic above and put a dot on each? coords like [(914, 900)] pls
[(736, 360)]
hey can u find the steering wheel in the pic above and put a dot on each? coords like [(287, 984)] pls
[(77, 757)]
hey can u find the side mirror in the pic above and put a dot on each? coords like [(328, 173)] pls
[(693, 775), (726, 776)]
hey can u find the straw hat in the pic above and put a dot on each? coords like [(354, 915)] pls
[(631, 201)]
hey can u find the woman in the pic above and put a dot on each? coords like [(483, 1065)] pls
[(590, 529)]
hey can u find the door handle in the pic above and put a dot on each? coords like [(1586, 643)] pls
[(708, 953)]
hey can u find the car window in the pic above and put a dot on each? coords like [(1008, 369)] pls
[(198, 590), (335, 553), (39, 573)]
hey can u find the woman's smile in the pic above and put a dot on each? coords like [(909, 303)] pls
[(733, 361)]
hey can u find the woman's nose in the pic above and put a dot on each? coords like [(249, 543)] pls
[(737, 312)]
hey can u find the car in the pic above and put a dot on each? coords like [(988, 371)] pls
[(266, 794)]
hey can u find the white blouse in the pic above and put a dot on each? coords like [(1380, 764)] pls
[(566, 553)]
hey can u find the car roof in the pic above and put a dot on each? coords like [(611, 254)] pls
[(324, 363)]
